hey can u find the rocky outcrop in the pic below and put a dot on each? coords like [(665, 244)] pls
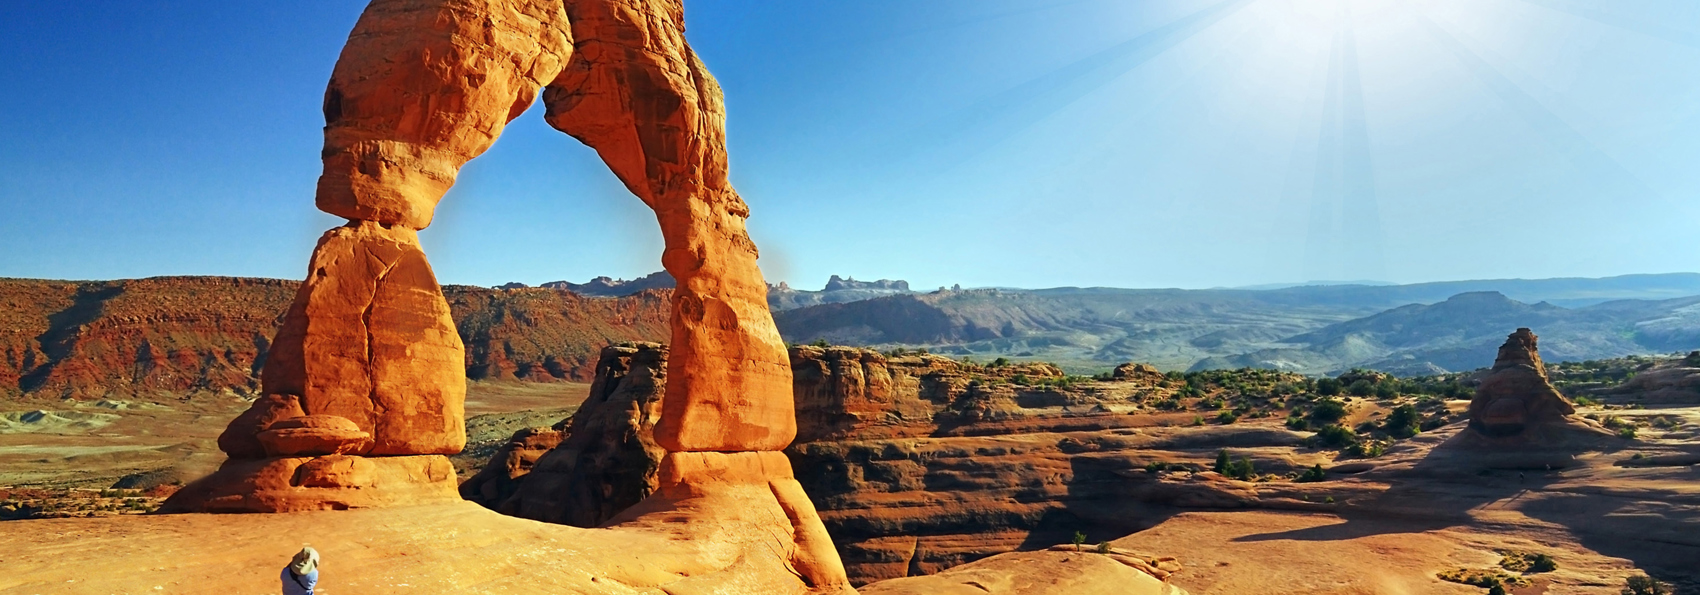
[(502, 477), (1515, 394), (846, 391), (608, 460), (1674, 382)]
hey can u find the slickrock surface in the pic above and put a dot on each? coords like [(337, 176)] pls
[(1032, 573), (443, 548)]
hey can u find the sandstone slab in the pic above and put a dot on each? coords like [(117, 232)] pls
[(334, 482), (312, 436)]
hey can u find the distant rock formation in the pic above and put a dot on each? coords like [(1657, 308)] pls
[(850, 283), (1515, 394), (610, 287), (837, 291)]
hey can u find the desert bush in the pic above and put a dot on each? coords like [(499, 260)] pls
[(1361, 388), (1328, 387), (1646, 585), (1404, 422), (1333, 436), (1328, 411), (1234, 468), (1298, 424), (1528, 562), (1226, 417), (1368, 449), (1315, 473)]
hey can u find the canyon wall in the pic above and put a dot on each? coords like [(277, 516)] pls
[(167, 338)]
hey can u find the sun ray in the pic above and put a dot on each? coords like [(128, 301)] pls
[(974, 129), (1589, 162), (1671, 34)]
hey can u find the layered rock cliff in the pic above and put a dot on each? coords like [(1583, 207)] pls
[(171, 337)]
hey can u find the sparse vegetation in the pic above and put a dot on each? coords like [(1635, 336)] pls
[(1313, 474), (1333, 436), (1527, 562), (1646, 585), (1234, 467)]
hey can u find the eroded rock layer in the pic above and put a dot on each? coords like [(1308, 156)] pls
[(369, 339)]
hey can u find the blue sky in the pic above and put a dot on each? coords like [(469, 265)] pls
[(1032, 143)]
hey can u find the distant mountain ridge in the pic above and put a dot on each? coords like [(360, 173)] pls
[(1095, 328)]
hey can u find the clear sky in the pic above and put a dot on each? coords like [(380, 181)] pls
[(1028, 143)]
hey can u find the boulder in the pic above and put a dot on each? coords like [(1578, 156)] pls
[(503, 475), (333, 482), (1132, 372), (313, 435), (240, 440)]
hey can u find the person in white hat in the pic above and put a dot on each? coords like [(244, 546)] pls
[(302, 573)]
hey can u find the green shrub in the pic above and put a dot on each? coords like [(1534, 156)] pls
[(1226, 417), (1528, 562), (1368, 449), (1646, 585), (1328, 411), (1404, 422), (1234, 468), (1315, 473), (1328, 387), (1333, 436), (1079, 539), (1298, 424), (1361, 388), (1626, 432)]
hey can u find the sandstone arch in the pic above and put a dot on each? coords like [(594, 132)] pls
[(424, 86)]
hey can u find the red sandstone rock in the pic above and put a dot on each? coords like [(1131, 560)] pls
[(1515, 394), (609, 458), (842, 391), (369, 338), (313, 435), (240, 439), (334, 482), (636, 93), (423, 86), (502, 477)]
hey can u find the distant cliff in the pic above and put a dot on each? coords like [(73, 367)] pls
[(169, 337)]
